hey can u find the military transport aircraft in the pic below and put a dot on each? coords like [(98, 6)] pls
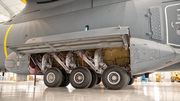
[(82, 41)]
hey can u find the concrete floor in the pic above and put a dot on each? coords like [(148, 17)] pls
[(10, 91)]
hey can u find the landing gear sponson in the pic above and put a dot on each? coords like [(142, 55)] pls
[(114, 77), (83, 59)]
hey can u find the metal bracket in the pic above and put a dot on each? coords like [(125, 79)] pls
[(148, 15), (119, 27)]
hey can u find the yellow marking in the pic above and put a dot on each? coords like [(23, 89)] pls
[(24, 1), (5, 39)]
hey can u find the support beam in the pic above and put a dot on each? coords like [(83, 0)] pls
[(51, 47), (7, 8)]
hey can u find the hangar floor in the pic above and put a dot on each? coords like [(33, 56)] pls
[(10, 91)]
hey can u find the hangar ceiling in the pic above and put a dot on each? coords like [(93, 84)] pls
[(9, 8)]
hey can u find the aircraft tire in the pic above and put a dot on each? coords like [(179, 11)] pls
[(53, 77), (131, 81), (80, 78), (99, 80), (115, 78), (65, 81), (94, 78), (128, 80)]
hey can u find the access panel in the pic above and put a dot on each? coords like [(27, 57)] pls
[(172, 16)]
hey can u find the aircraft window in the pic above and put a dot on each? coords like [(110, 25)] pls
[(87, 28), (178, 30), (48, 1)]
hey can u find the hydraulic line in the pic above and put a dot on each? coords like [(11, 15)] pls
[(63, 61)]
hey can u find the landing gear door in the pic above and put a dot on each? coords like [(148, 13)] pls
[(172, 15)]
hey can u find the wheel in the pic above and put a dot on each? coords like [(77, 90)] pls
[(53, 77), (65, 81), (115, 78), (94, 78), (172, 79), (98, 81), (131, 81), (80, 78)]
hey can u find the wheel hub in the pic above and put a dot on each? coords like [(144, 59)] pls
[(79, 77), (113, 78), (50, 77)]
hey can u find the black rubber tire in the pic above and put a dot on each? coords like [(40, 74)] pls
[(61, 77), (172, 79), (87, 77), (58, 77), (123, 78), (65, 81), (131, 81), (98, 81), (94, 78), (128, 80)]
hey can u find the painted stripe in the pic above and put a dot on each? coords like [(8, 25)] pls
[(5, 40), (24, 1)]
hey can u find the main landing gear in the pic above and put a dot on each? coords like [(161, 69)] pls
[(113, 77)]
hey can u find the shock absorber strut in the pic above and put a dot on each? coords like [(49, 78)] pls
[(96, 64)]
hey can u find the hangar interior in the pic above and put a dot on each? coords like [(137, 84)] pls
[(160, 86), (9, 8), (154, 77)]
